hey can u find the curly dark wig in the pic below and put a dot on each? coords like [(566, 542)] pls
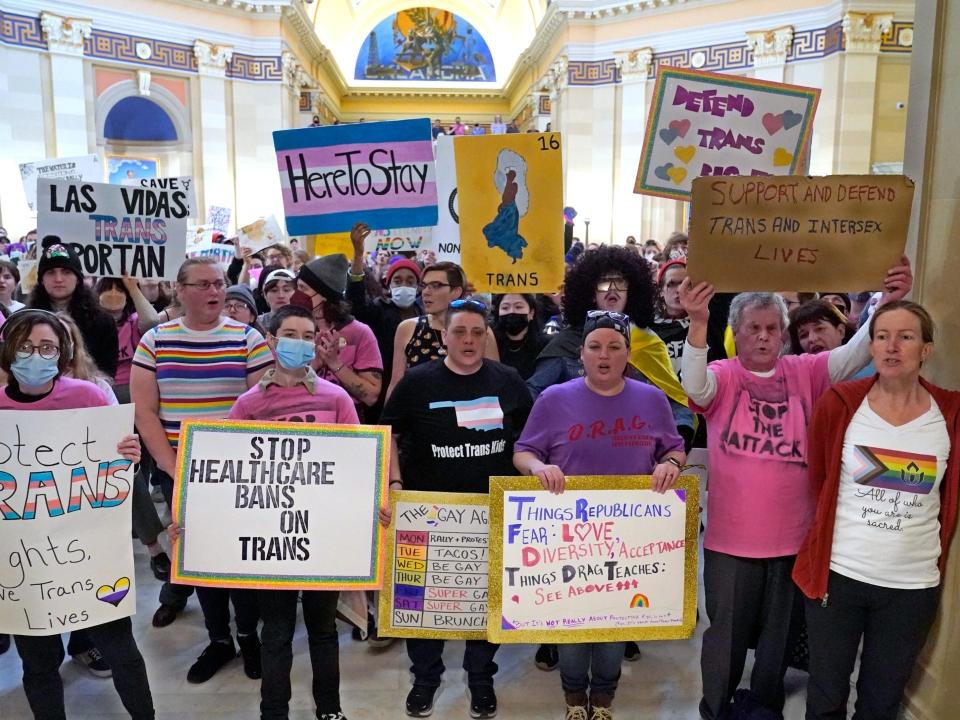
[(580, 288)]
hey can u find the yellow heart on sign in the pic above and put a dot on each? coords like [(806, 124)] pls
[(677, 174), (781, 157), (685, 152)]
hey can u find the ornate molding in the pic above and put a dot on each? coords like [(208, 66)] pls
[(770, 47), (863, 32), (143, 82), (634, 65), (295, 77), (558, 77), (212, 59), (65, 35)]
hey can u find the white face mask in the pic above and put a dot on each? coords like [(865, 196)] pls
[(403, 297)]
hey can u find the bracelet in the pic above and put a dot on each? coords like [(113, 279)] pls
[(342, 366), (676, 463)]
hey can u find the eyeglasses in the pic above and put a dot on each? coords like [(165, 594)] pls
[(607, 284), (615, 316), (235, 307), (207, 284), (469, 303), (433, 286), (47, 350)]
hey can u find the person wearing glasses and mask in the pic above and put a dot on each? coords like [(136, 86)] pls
[(194, 368), (419, 340), (454, 422), (551, 447)]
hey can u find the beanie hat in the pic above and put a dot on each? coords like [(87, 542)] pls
[(676, 262), (56, 254), (401, 264), (605, 319), (327, 275), (245, 295)]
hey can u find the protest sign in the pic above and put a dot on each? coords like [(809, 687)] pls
[(703, 123), (510, 192), (218, 218), (330, 244), (608, 559), (334, 176), (207, 248), (280, 505), (399, 240), (446, 235), (260, 234), (83, 167), (437, 564), (65, 495), (184, 183), (803, 234), (116, 229)]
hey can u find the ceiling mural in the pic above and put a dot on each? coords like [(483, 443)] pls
[(425, 44)]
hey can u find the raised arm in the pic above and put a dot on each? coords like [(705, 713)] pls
[(699, 383)]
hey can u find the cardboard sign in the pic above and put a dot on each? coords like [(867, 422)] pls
[(260, 234), (802, 234), (399, 240), (283, 506), (116, 229), (446, 235), (207, 248), (65, 496), (703, 123), (437, 562), (83, 167), (218, 218), (608, 559), (183, 183), (510, 191), (334, 176)]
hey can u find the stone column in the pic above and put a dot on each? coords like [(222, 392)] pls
[(216, 187), (858, 87), (295, 78), (770, 49), (65, 38), (630, 210)]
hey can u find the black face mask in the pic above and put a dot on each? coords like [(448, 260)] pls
[(514, 323)]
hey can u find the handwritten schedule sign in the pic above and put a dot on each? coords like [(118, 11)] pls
[(118, 229), (284, 506), (380, 173), (802, 233), (66, 561), (608, 559), (703, 123), (437, 563)]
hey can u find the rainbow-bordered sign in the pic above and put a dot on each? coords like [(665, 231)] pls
[(283, 506)]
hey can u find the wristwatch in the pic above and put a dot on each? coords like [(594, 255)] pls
[(674, 461)]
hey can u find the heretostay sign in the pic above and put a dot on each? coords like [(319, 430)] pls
[(66, 561), (117, 229)]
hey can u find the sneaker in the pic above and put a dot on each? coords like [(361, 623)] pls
[(165, 615), (576, 706), (156, 494), (216, 655), (600, 706), (93, 661), (601, 713), (374, 640), (160, 566), (4, 643), (250, 650), (420, 701), (631, 651), (483, 702), (338, 715), (547, 657)]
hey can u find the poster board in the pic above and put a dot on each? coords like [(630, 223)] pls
[(184, 183), (207, 248), (261, 233), (804, 234), (117, 229), (380, 173), (271, 505), (65, 497), (218, 218), (82, 167), (437, 556), (396, 240), (552, 577), (703, 123), (510, 192), (446, 234)]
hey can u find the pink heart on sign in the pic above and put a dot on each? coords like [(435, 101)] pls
[(772, 123), (681, 127), (516, 599)]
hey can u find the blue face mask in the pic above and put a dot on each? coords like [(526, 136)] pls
[(34, 371), (294, 354)]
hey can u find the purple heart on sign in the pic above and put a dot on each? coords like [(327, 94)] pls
[(668, 135), (791, 119), (663, 171)]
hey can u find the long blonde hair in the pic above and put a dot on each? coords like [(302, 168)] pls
[(82, 365)]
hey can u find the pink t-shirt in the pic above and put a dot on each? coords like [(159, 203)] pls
[(128, 337), (328, 404), (360, 352), (67, 394), (759, 503)]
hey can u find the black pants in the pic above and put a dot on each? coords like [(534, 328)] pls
[(748, 600), (42, 656), (215, 602), (893, 625), (279, 611), (427, 659)]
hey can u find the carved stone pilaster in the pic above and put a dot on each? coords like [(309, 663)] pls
[(770, 47), (862, 32), (65, 35), (558, 77), (212, 59), (634, 65)]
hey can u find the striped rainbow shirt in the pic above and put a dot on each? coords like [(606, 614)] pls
[(200, 373)]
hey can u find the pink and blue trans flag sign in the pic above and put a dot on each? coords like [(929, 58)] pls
[(380, 173)]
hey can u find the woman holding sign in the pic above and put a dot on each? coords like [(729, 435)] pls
[(36, 353), (561, 438)]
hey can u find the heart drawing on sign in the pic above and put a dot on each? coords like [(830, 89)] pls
[(685, 152), (515, 598), (790, 119), (113, 594), (680, 126), (662, 172), (668, 135), (677, 174), (772, 123), (781, 158)]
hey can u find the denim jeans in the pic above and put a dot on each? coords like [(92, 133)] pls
[(42, 656), (427, 659), (279, 611), (590, 666)]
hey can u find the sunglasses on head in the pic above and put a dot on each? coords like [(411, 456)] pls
[(615, 316), (469, 303)]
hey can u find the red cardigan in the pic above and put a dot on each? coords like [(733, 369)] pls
[(831, 416)]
